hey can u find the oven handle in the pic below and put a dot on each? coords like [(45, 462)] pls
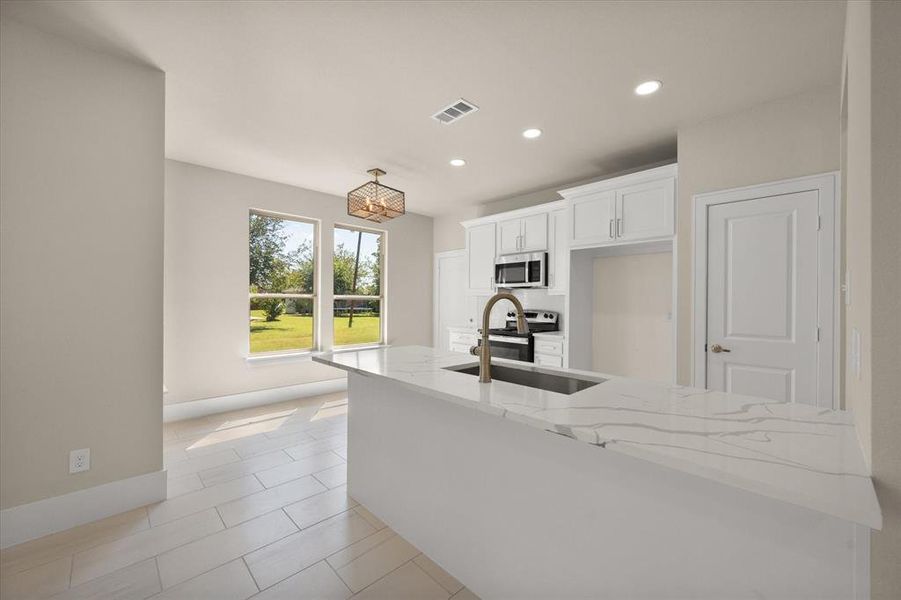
[(508, 340)]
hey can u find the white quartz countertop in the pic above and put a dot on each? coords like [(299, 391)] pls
[(795, 453)]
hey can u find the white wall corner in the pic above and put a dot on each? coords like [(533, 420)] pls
[(211, 406), (51, 515)]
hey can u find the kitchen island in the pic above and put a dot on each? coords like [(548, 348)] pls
[(625, 489)]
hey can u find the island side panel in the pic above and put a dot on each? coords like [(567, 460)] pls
[(513, 511)]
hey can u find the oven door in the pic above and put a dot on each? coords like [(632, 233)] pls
[(513, 348)]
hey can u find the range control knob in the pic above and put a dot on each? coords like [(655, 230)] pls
[(547, 316)]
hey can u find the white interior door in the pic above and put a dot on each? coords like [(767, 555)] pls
[(450, 295), (762, 295)]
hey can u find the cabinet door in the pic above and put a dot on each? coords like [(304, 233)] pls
[(646, 210), (508, 236), (592, 219), (558, 250), (534, 233), (544, 360), (480, 257)]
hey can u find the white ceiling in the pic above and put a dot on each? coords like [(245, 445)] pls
[(313, 94)]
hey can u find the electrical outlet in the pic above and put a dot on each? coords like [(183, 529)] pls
[(79, 460)]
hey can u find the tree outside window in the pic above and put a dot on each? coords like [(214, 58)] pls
[(282, 261), (358, 302)]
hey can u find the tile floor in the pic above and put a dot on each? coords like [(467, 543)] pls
[(257, 508)]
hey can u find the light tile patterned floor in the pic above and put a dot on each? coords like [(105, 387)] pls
[(257, 508)]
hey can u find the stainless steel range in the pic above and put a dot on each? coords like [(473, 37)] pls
[(506, 343)]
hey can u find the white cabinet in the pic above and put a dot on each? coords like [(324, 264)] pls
[(646, 210), (558, 253), (534, 233), (549, 350), (462, 340), (508, 236), (480, 245), (594, 219), (525, 234), (635, 207)]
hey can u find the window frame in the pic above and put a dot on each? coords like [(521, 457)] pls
[(382, 297), (312, 296)]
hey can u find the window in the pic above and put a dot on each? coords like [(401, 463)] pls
[(359, 302), (282, 283)]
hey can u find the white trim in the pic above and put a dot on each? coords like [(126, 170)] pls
[(535, 209), (59, 513), (861, 570), (255, 359), (436, 308), (829, 252), (211, 406), (653, 174)]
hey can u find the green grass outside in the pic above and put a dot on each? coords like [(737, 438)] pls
[(291, 332)]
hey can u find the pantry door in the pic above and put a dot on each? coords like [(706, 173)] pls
[(769, 250)]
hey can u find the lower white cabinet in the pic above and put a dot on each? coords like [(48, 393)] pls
[(549, 350), (462, 340), (545, 360)]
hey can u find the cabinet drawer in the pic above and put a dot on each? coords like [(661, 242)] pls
[(459, 337), (552, 347), (545, 360)]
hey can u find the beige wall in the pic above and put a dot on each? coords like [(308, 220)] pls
[(785, 138), (632, 327), (81, 263), (447, 232), (873, 255), (207, 273)]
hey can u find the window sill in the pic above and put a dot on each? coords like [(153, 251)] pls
[(275, 358), (341, 349)]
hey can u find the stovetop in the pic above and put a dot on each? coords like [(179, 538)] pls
[(538, 320)]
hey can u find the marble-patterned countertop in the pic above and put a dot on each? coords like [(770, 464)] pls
[(795, 453), (548, 334)]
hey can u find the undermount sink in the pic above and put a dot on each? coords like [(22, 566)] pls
[(561, 384)]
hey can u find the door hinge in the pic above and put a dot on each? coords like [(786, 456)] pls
[(819, 223), (818, 334), (705, 347)]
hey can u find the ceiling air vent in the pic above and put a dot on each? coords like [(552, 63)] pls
[(455, 111)]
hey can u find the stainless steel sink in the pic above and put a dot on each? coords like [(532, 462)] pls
[(533, 378)]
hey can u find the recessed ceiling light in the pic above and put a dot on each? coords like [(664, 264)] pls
[(648, 87), (531, 134), (457, 162)]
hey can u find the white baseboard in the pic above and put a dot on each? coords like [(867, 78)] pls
[(52, 515), (211, 406)]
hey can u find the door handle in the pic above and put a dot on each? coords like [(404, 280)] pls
[(610, 230), (619, 228), (716, 349)]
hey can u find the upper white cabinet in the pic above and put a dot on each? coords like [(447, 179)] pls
[(524, 234), (558, 253), (590, 214), (508, 235), (635, 207), (480, 242), (646, 210)]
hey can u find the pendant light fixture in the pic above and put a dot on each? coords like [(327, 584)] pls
[(375, 201)]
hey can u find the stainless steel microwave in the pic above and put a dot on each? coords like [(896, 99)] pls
[(521, 270)]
